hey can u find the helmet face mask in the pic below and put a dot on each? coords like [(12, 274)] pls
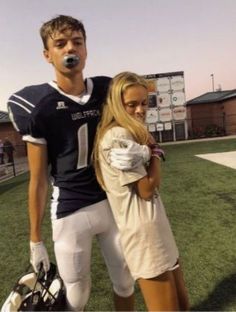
[(37, 292)]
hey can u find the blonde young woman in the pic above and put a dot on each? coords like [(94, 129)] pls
[(146, 237)]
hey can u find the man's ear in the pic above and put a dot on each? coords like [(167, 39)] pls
[(47, 56), (86, 51)]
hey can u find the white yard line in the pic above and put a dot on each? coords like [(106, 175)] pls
[(227, 159)]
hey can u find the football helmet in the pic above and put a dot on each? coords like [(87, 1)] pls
[(37, 292)]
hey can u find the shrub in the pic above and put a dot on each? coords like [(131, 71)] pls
[(214, 130)]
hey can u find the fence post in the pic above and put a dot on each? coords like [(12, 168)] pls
[(13, 166)]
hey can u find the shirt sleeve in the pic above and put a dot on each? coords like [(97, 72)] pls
[(23, 115)]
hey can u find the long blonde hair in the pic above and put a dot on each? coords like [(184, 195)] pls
[(114, 114)]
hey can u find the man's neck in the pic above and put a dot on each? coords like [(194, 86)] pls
[(71, 85)]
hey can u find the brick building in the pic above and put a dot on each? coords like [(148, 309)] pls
[(7, 131), (213, 113)]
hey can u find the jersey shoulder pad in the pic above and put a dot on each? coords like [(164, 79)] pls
[(22, 103), (101, 84), (101, 79)]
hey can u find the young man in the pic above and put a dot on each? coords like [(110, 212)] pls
[(58, 121)]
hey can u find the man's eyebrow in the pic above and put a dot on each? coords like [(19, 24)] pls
[(80, 37), (76, 37)]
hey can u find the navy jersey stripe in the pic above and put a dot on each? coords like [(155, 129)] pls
[(23, 100), (20, 105)]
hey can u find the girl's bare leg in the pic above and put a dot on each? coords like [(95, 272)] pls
[(160, 293), (181, 289)]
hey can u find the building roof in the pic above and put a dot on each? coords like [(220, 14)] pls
[(4, 117), (213, 97)]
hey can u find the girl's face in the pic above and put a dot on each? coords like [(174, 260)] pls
[(135, 101)]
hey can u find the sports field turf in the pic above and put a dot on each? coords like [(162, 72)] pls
[(200, 199)]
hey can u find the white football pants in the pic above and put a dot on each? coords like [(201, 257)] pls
[(73, 237)]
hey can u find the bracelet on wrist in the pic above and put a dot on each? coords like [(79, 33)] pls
[(156, 156), (156, 150)]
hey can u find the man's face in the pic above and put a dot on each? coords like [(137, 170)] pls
[(65, 43)]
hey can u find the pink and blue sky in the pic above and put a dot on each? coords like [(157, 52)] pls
[(144, 36)]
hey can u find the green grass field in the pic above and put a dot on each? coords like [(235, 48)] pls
[(200, 199)]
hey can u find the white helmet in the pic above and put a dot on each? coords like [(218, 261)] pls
[(37, 292)]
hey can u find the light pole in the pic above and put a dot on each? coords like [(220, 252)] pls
[(212, 78)]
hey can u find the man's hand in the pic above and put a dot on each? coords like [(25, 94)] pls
[(38, 256), (129, 155)]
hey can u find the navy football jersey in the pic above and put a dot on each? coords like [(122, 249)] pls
[(68, 128)]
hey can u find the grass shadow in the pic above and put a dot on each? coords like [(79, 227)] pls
[(222, 296)]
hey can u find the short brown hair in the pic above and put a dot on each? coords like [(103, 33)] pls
[(60, 23)]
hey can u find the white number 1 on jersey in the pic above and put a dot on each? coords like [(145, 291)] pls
[(82, 147)]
